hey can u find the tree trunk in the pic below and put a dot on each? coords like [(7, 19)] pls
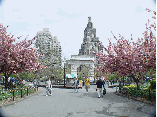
[(129, 80), (123, 80), (137, 85), (6, 82), (142, 79), (136, 80)]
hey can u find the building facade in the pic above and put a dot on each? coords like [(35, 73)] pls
[(49, 46)]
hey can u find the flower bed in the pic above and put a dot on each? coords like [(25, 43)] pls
[(7, 96), (144, 92)]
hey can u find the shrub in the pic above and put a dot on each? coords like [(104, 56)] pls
[(153, 84), (144, 87), (129, 86), (131, 90), (153, 96)]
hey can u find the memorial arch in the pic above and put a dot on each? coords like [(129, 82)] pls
[(78, 63), (85, 56), (83, 71)]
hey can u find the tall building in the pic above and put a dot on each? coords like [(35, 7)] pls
[(49, 46), (57, 49)]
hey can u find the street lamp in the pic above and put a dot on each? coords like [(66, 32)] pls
[(64, 73)]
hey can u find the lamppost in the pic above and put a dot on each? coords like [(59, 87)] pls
[(64, 73)]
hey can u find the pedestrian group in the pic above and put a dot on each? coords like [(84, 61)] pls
[(100, 84)]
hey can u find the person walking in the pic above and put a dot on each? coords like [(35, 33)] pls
[(35, 83), (83, 82), (99, 84), (76, 83), (23, 82), (9, 82), (120, 86), (108, 83), (86, 84), (48, 87), (80, 83), (104, 83)]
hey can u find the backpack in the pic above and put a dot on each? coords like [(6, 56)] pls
[(77, 82)]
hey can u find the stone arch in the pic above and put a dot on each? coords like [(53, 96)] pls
[(83, 71), (77, 65), (81, 66)]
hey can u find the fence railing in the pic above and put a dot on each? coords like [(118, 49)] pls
[(15, 93)]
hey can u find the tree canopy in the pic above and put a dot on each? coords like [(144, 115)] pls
[(17, 57), (130, 58)]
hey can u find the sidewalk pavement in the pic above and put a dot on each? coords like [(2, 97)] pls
[(67, 103)]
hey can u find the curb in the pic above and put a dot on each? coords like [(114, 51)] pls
[(18, 100)]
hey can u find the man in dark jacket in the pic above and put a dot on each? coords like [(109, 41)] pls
[(99, 84)]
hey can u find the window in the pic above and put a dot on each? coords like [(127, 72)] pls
[(88, 52)]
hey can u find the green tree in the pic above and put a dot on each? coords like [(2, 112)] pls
[(27, 75), (67, 71), (14, 75), (30, 75), (113, 76), (151, 73), (83, 72)]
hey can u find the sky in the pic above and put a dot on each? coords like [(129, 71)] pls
[(67, 19)]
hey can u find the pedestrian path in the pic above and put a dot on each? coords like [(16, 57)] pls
[(67, 103)]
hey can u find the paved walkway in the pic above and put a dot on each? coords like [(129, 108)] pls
[(66, 103)]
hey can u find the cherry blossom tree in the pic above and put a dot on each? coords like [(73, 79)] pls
[(126, 58), (16, 57)]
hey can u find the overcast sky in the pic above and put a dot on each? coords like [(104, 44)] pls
[(67, 19)]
